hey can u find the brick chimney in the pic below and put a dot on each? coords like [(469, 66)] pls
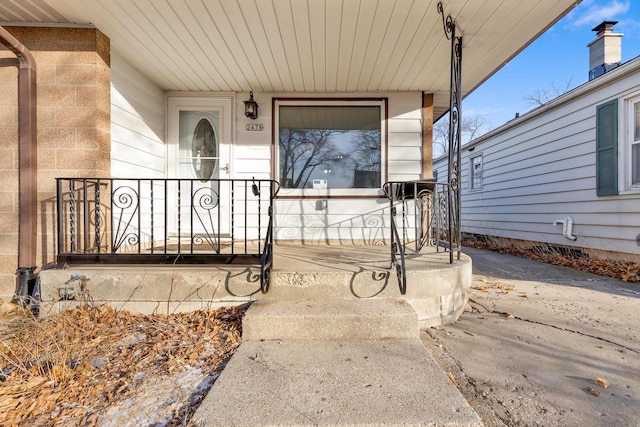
[(605, 52)]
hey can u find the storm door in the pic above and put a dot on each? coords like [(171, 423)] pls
[(198, 156)]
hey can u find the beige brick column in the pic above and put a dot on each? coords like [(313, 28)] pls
[(73, 80)]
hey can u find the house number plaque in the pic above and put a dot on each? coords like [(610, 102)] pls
[(254, 126)]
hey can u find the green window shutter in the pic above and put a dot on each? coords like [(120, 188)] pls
[(607, 148)]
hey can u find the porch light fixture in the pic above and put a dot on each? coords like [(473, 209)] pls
[(251, 107)]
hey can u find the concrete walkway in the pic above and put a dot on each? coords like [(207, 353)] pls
[(333, 363), (334, 383), (538, 337), (527, 352)]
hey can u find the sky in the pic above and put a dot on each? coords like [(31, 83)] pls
[(559, 57)]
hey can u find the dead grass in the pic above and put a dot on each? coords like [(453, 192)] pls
[(622, 270), (70, 368)]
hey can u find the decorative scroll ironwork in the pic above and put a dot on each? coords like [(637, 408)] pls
[(205, 207), (97, 218), (149, 221), (430, 215), (455, 133), (266, 260), (443, 231), (398, 253), (426, 218), (448, 25), (125, 204), (72, 215)]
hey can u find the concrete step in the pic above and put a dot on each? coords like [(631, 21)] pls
[(327, 319), (334, 383)]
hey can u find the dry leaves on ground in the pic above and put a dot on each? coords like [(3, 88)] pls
[(70, 368), (623, 270), (502, 288)]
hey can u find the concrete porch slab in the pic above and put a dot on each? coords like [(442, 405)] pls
[(436, 289)]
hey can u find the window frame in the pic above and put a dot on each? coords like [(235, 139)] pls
[(626, 148), (472, 173), (382, 103)]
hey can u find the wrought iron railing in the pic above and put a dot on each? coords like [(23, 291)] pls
[(175, 221), (424, 211)]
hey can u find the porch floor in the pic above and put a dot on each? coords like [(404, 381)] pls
[(350, 257)]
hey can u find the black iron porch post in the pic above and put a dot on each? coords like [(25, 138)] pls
[(455, 131)]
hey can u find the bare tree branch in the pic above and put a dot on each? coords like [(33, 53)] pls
[(541, 96), (472, 127)]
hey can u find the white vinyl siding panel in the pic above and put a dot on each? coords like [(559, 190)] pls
[(363, 31), (542, 168), (332, 35), (269, 21), (251, 151), (186, 28), (250, 13), (137, 123), (406, 44), (390, 42), (285, 24), (404, 136), (363, 222)]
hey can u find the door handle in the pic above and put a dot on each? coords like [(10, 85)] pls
[(227, 168)]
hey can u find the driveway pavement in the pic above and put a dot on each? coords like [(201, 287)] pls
[(539, 343)]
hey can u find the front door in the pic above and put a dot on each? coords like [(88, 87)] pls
[(199, 131)]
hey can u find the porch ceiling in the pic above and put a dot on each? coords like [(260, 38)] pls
[(304, 45)]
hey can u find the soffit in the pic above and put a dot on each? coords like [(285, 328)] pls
[(304, 46)]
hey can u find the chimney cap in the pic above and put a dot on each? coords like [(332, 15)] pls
[(605, 26)]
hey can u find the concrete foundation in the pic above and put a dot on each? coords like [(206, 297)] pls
[(436, 290)]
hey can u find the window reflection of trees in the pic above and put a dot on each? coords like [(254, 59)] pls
[(352, 156), (367, 157), (301, 152)]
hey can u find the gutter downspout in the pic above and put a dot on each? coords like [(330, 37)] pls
[(567, 227), (569, 232), (27, 155)]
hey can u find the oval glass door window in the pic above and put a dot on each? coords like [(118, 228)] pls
[(204, 150)]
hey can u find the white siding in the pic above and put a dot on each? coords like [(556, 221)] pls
[(138, 150), (251, 150), (342, 219), (405, 136), (347, 221), (137, 123), (541, 168)]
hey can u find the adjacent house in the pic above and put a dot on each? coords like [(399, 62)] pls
[(567, 173), (226, 118)]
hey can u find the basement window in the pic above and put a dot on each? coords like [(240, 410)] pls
[(330, 147)]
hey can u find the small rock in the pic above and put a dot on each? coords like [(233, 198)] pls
[(4, 373), (98, 362), (131, 340)]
